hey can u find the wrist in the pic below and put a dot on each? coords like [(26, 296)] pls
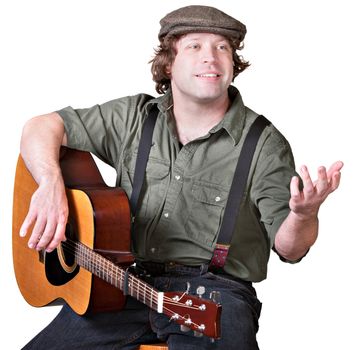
[(50, 176), (305, 218)]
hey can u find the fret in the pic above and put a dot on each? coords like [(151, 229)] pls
[(138, 290), (121, 281), (109, 272), (115, 277), (106, 270), (132, 287), (119, 278), (111, 275), (129, 286)]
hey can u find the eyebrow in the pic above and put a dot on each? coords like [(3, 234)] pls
[(196, 37)]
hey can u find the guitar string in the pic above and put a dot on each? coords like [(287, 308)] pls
[(71, 247), (108, 269), (84, 251), (111, 268)]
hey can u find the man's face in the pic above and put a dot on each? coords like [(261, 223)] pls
[(203, 67)]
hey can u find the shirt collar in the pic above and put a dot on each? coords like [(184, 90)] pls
[(164, 102), (233, 121)]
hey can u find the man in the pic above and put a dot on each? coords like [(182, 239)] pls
[(199, 132)]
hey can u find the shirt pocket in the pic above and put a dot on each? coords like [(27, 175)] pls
[(206, 212), (156, 179), (155, 187)]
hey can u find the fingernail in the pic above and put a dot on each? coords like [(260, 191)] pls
[(31, 245)]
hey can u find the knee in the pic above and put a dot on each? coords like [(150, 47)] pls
[(241, 318)]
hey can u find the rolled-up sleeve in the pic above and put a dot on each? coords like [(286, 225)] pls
[(270, 191), (104, 129)]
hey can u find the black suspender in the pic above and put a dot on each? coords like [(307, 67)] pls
[(142, 157), (236, 191), (239, 180)]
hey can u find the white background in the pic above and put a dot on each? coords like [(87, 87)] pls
[(83, 52)]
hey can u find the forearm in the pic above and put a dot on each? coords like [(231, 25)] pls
[(41, 139), (40, 145), (296, 235)]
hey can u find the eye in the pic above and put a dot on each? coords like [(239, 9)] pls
[(223, 47), (194, 46)]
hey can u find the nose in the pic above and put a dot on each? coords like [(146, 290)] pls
[(208, 55)]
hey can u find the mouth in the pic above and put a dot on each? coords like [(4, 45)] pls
[(208, 75)]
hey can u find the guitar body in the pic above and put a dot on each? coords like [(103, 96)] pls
[(99, 218)]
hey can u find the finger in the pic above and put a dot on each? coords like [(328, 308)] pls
[(308, 186), (336, 179), (322, 181), (58, 237), (335, 167), (37, 232), (27, 223), (46, 236), (294, 188)]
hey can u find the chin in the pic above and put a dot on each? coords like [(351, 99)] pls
[(210, 97)]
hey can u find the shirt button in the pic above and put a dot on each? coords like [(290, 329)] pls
[(217, 199), (177, 177), (166, 215)]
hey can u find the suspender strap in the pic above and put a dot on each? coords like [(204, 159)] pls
[(239, 180), (142, 157), (236, 192)]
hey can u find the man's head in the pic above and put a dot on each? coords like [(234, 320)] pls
[(194, 19)]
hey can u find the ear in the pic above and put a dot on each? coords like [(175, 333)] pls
[(168, 70)]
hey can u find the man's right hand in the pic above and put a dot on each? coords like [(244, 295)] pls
[(48, 214)]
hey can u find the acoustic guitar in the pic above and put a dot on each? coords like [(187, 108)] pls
[(89, 271)]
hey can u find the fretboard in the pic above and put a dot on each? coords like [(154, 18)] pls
[(113, 274)]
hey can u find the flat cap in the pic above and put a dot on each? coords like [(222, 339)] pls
[(197, 18)]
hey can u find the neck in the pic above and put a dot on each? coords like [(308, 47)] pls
[(194, 119)]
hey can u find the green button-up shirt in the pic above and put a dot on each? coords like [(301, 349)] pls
[(186, 188)]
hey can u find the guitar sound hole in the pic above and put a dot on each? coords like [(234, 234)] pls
[(60, 264), (68, 248)]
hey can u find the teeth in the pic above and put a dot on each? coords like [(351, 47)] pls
[(208, 75)]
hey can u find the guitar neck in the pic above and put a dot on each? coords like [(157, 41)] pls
[(200, 315), (114, 275)]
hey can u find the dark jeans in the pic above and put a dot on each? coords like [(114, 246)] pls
[(137, 324)]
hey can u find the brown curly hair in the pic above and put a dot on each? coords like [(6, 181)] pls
[(165, 54)]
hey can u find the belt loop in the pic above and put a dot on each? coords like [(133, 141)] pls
[(203, 269)]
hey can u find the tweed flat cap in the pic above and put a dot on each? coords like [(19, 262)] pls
[(197, 18)]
